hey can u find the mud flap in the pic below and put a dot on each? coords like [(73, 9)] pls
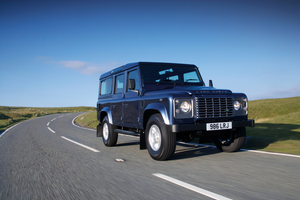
[(99, 130), (142, 140)]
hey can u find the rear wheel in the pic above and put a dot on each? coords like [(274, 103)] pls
[(109, 136), (231, 141), (160, 143)]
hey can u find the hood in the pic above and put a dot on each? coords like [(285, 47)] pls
[(190, 90)]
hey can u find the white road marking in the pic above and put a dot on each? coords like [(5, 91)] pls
[(271, 153), (191, 187), (73, 122), (48, 124), (53, 119), (9, 129), (51, 130), (82, 145), (246, 150)]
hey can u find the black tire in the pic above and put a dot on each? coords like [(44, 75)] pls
[(160, 143), (109, 136), (231, 141)]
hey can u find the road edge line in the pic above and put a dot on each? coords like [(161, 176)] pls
[(73, 123), (10, 128)]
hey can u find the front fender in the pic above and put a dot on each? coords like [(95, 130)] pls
[(106, 112), (161, 109)]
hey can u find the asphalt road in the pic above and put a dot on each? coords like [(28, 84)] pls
[(50, 158)]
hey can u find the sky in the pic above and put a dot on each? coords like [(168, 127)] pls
[(52, 53)]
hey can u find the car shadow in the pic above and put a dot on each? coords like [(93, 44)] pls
[(127, 144), (186, 151), (183, 150)]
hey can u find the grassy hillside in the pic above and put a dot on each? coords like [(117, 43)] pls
[(277, 125), (265, 109), (12, 115)]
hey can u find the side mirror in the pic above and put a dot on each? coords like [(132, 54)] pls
[(131, 84), (211, 83)]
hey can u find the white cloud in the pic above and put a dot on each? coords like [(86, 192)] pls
[(45, 59), (73, 64), (88, 68), (81, 66), (289, 92)]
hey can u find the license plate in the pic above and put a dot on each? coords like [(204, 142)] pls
[(218, 126)]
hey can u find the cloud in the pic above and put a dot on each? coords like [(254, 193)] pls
[(45, 59), (88, 68), (80, 66), (73, 64), (289, 92)]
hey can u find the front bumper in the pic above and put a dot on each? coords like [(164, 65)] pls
[(176, 128)]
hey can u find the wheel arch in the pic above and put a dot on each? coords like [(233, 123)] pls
[(106, 112), (155, 108)]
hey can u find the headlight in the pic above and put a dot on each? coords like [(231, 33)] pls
[(185, 106), (237, 105), (240, 106)]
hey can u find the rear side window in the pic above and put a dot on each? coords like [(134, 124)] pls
[(106, 86), (119, 84)]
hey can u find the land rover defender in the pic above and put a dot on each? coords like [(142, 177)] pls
[(163, 103)]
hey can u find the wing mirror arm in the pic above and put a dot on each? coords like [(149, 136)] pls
[(131, 86)]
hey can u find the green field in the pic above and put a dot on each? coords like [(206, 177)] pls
[(12, 115), (277, 125)]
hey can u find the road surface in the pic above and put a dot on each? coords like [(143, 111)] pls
[(50, 158)]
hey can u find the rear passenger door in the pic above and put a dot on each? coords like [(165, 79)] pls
[(131, 101), (118, 95)]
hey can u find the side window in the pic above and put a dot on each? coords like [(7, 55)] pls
[(134, 75), (119, 83), (105, 87)]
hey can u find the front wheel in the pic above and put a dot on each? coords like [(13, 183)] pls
[(160, 143), (231, 141), (109, 136)]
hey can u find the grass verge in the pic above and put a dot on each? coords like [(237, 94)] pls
[(88, 120), (13, 115)]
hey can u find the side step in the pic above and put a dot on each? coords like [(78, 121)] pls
[(127, 132)]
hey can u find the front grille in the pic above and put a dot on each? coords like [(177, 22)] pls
[(214, 107)]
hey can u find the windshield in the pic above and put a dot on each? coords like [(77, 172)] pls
[(171, 74)]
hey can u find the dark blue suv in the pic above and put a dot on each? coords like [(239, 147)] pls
[(163, 103)]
